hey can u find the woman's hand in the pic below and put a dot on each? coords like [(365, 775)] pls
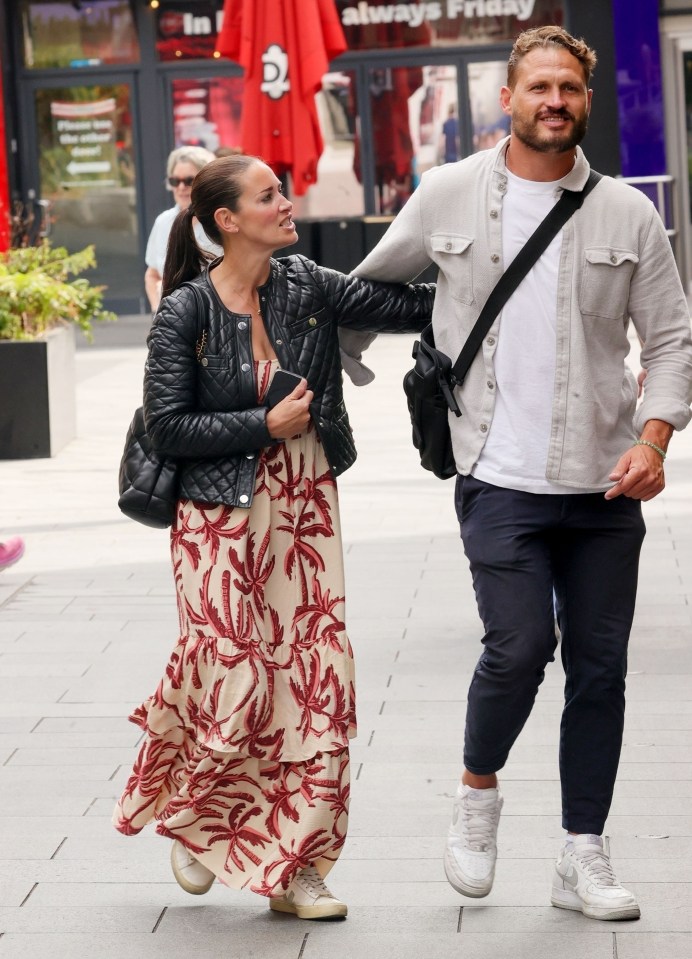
[(292, 415)]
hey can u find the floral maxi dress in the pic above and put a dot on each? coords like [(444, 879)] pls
[(245, 759)]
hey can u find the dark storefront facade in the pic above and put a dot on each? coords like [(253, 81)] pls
[(97, 92)]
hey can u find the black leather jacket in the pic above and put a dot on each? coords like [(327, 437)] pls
[(200, 405)]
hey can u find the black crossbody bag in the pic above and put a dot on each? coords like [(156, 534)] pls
[(429, 386)]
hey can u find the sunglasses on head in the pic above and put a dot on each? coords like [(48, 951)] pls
[(180, 180)]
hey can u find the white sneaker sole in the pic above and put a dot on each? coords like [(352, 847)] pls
[(337, 910), (472, 892), (185, 883), (564, 899)]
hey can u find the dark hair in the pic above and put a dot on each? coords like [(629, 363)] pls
[(217, 185), (542, 37)]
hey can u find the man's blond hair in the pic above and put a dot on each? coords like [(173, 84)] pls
[(542, 37)]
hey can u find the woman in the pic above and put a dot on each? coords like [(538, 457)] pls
[(246, 762), (181, 168)]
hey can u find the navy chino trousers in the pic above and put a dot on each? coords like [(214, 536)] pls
[(522, 547)]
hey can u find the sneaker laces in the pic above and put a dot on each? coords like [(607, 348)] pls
[(598, 867), (313, 882), (478, 825)]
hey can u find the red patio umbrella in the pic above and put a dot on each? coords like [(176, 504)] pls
[(285, 47)]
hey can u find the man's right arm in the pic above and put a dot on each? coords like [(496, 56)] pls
[(400, 256)]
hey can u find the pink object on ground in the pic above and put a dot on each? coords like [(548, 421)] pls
[(10, 551)]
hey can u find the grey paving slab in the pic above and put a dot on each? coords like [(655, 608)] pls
[(251, 944)]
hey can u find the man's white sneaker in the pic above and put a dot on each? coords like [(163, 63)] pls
[(189, 873), (308, 898), (471, 849), (585, 881)]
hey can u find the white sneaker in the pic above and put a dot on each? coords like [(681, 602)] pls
[(190, 874), (585, 881), (308, 898), (471, 849)]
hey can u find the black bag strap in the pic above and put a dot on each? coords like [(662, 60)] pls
[(535, 246)]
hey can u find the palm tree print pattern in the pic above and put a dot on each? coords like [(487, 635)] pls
[(245, 759)]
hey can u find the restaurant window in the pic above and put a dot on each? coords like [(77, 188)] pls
[(489, 121), (207, 112), (88, 177), (78, 34), (188, 29), (378, 24), (410, 107), (338, 190)]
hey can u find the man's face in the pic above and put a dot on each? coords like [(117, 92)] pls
[(550, 102)]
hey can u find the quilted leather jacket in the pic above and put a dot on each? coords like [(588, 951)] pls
[(200, 395)]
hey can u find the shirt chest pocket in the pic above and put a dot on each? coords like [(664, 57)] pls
[(605, 282), (453, 254)]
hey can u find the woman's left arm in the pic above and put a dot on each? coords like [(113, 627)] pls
[(376, 306)]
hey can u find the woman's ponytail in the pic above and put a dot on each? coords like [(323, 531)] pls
[(184, 259)]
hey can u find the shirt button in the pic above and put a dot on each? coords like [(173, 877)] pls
[(502, 187), (484, 427), (495, 257), (242, 325), (312, 321), (245, 367), (493, 214), (243, 498), (491, 385), (448, 246), (490, 341), (279, 342), (613, 258)]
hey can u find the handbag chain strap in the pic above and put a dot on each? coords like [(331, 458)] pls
[(200, 298), (535, 246)]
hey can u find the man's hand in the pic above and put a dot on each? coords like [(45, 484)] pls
[(638, 474)]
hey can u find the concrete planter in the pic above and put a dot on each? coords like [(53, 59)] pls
[(38, 410)]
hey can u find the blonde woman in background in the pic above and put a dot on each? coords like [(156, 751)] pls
[(181, 168)]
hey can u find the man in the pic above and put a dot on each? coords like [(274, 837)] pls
[(553, 459)]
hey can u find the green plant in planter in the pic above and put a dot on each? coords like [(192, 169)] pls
[(37, 294)]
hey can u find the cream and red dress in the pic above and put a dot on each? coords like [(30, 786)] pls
[(246, 756)]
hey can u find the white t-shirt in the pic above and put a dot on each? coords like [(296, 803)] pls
[(157, 244), (516, 451)]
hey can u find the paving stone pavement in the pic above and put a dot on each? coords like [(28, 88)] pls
[(87, 620)]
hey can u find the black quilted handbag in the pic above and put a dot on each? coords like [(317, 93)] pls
[(147, 482), (429, 386)]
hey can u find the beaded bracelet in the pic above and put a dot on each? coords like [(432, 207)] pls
[(661, 453)]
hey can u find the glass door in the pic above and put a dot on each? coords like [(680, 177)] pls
[(88, 177)]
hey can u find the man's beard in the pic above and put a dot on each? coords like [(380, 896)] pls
[(527, 132)]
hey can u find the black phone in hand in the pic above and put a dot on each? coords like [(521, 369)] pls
[(283, 383)]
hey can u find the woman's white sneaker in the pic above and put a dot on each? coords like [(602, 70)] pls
[(307, 897), (585, 881), (471, 850), (189, 873)]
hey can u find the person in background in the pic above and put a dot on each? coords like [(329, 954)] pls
[(11, 551), (182, 166), (450, 136), (245, 758)]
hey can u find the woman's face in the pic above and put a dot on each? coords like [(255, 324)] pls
[(264, 214), (180, 182)]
